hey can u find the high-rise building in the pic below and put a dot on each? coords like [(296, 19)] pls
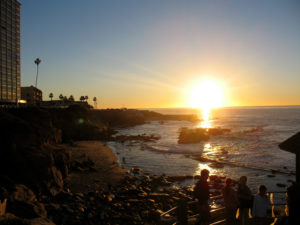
[(10, 52)]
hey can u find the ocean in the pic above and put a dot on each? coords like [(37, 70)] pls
[(250, 148)]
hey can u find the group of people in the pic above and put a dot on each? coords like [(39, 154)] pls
[(238, 201)]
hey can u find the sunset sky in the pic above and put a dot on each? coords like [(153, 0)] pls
[(146, 54)]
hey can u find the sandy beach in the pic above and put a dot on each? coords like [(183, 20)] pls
[(107, 171)]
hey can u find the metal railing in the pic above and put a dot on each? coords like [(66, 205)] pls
[(181, 209)]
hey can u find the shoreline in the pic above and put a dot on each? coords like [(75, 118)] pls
[(105, 171)]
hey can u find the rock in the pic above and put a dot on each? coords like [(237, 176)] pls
[(216, 165), (64, 196), (41, 221), (189, 136), (57, 176), (216, 193), (23, 194), (150, 200), (52, 207), (136, 170), (177, 178), (110, 197), (271, 175), (281, 185), (10, 219), (147, 189), (134, 201), (27, 209), (79, 194), (142, 195), (62, 161), (23, 203), (158, 211), (4, 194), (176, 199), (159, 195), (54, 191)]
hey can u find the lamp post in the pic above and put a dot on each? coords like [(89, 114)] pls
[(37, 62)]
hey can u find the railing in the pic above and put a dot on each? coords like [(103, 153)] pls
[(181, 216)]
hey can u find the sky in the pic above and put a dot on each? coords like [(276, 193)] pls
[(150, 54)]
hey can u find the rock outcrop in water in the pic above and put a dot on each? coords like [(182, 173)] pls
[(189, 136)]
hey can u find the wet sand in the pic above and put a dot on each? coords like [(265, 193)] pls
[(107, 171)]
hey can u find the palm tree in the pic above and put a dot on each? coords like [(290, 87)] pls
[(37, 62), (71, 98), (82, 98), (51, 96), (95, 102), (61, 97), (86, 98)]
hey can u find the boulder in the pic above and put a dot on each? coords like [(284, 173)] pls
[(41, 221), (23, 203)]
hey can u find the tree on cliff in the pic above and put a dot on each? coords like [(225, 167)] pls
[(82, 98), (51, 96), (95, 102), (61, 97), (71, 98), (86, 98)]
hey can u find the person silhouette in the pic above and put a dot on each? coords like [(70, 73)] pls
[(245, 200), (201, 193), (231, 202), (260, 206)]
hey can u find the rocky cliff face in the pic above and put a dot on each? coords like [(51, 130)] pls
[(26, 154), (30, 163)]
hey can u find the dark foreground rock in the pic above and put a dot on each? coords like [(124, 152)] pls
[(135, 200)]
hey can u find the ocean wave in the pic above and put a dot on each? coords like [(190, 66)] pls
[(168, 150), (215, 160)]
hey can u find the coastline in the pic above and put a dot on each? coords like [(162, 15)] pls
[(82, 181), (106, 170)]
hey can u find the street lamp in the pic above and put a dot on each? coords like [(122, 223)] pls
[(37, 62)]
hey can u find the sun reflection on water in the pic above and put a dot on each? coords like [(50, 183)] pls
[(206, 121), (207, 146), (202, 166)]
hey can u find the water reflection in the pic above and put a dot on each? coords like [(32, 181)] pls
[(207, 146), (202, 166), (209, 152), (206, 122)]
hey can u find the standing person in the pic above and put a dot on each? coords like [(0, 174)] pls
[(245, 200), (260, 206), (231, 202), (201, 193)]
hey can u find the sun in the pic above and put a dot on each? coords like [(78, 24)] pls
[(206, 95)]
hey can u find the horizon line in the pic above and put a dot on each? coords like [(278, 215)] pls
[(248, 106)]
